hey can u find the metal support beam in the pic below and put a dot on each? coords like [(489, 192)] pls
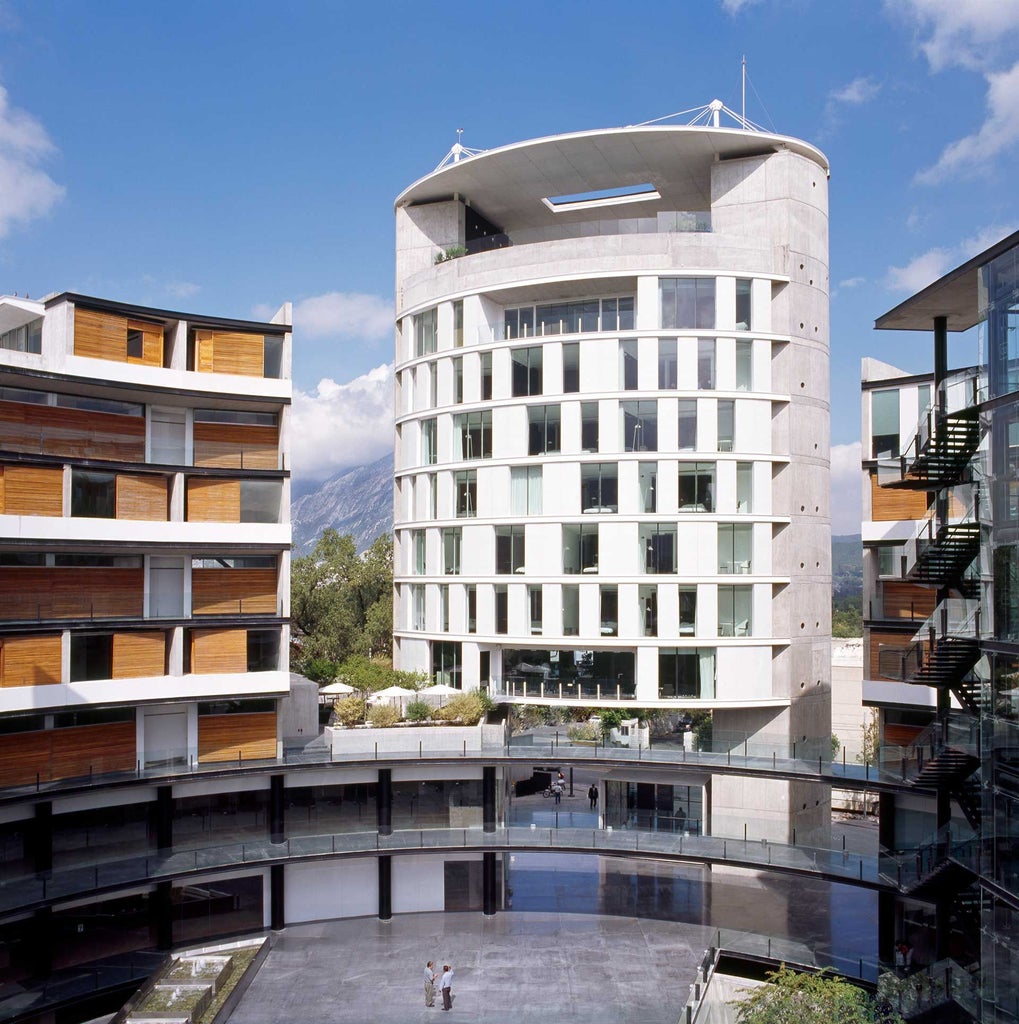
[(488, 797), (384, 802), (42, 838), (277, 916), (490, 896), (164, 818), (276, 822), (161, 915), (385, 862)]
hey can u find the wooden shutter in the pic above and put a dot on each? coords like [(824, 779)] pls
[(906, 600), (229, 352), (33, 491), (138, 654), (97, 748), (142, 497), (224, 737), (152, 343), (204, 346), (219, 650), (233, 591), (213, 501), (236, 445), (30, 660), (100, 335), (24, 757), (888, 504)]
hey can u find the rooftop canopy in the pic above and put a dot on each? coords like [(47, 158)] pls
[(512, 183), (954, 296)]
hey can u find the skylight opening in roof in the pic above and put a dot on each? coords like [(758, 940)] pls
[(603, 197)]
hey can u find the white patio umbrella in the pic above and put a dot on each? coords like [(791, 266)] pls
[(438, 691), (336, 689), (393, 694)]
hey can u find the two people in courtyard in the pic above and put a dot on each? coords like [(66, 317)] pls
[(445, 980)]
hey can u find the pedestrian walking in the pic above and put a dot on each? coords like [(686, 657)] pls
[(430, 977), (447, 986), (592, 795), (557, 790)]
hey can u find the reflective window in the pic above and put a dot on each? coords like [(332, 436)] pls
[(452, 538), (458, 380), (648, 598), (580, 549), (472, 608), (734, 611), (639, 422), (706, 364), (687, 611), (527, 371), (429, 455), (93, 495), (424, 332), (687, 424), (628, 365), (884, 424), (419, 552), (696, 486), (743, 289), (658, 547), (726, 424), (744, 487), (466, 483), (571, 368), (486, 376), (735, 543), (525, 490), (647, 479), (458, 323), (686, 672), (744, 365), (417, 599), (509, 549), (472, 435), (599, 487), (27, 338), (589, 426), (688, 303), (543, 429), (668, 366), (534, 603), (609, 611), (501, 609), (571, 609), (447, 667)]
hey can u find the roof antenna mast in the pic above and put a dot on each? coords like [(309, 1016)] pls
[(743, 89), (458, 152)]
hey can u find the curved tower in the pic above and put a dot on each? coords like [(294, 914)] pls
[(612, 429)]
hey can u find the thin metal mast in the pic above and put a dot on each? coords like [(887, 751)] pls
[(743, 84)]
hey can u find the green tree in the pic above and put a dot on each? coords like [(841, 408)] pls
[(792, 998)]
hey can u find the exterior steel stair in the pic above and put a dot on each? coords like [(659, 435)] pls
[(944, 560), (939, 459)]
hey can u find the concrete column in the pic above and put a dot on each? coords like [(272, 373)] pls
[(385, 887), (384, 804), (488, 798), (490, 897), (164, 818), (161, 916), (277, 920), (276, 814)]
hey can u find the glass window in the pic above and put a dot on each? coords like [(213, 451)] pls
[(519, 323), (534, 604), (501, 609), (744, 365), (628, 365), (658, 547), (726, 424), (571, 368), (686, 672), (93, 495), (617, 314), (452, 538), (472, 435), (688, 303), (27, 338), (543, 429), (599, 487), (252, 419), (889, 560), (744, 487), (91, 656), (458, 323), (580, 549), (734, 611), (486, 376), (884, 424), (743, 289), (444, 608), (272, 357), (589, 426), (263, 650), (135, 344), (923, 399), (509, 549), (668, 367), (417, 594), (735, 544), (458, 380), (429, 455), (648, 482), (472, 608), (466, 493), (424, 332), (696, 486), (687, 611), (706, 364), (648, 598), (688, 424), (447, 667), (609, 611), (260, 501), (433, 496), (419, 552), (571, 609), (527, 372), (525, 490), (639, 422)]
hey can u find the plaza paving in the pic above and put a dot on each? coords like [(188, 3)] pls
[(529, 968)]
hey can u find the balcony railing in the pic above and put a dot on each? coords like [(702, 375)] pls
[(955, 843), (557, 689)]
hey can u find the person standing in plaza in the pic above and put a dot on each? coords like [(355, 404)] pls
[(447, 986), (430, 977), (592, 795)]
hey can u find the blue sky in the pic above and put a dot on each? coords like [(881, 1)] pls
[(224, 157)]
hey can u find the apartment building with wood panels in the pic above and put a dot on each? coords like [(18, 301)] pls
[(144, 537)]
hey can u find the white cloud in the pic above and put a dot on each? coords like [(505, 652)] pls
[(183, 289), (851, 282), (846, 488), (342, 425), (930, 265), (26, 191), (735, 6), (972, 155), (344, 315), (965, 33), (859, 90)]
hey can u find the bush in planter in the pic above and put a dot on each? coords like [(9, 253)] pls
[(418, 711), (383, 716), (349, 711), (586, 732), (465, 707)]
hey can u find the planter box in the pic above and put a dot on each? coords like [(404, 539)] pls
[(448, 739)]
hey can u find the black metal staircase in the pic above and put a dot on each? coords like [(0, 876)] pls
[(944, 560), (939, 454)]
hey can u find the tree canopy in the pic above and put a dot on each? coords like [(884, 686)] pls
[(341, 603)]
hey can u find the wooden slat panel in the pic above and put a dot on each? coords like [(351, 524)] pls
[(33, 491), (213, 501), (104, 336), (233, 591), (906, 600), (232, 352), (103, 748), (223, 737), (877, 640), (204, 348), (235, 445), (50, 430), (70, 593), (138, 654), (24, 757), (30, 660), (219, 650), (142, 496), (901, 735), (888, 504)]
